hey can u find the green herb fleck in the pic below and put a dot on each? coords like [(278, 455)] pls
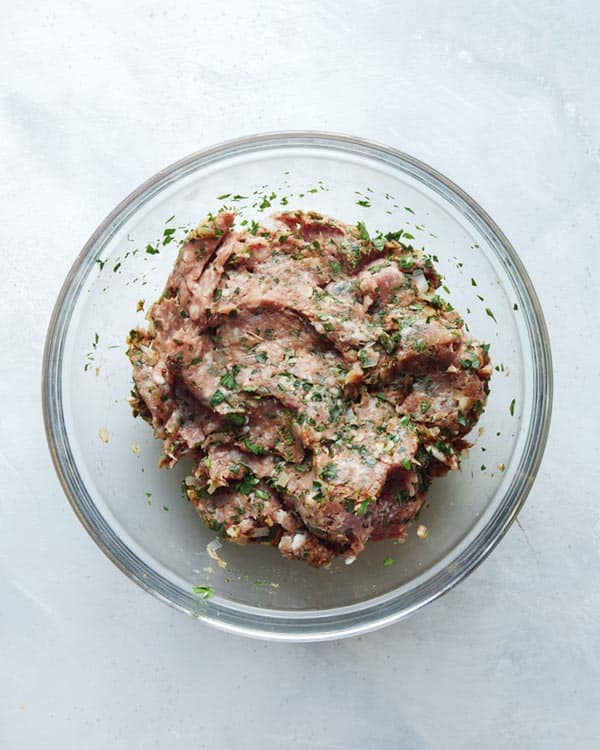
[(217, 398), (205, 592), (362, 508), (329, 473), (511, 408), (443, 447), (168, 236), (364, 234), (235, 419), (228, 379), (490, 314), (246, 485), (388, 562), (255, 448)]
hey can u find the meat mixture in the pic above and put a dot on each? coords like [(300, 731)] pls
[(313, 375)]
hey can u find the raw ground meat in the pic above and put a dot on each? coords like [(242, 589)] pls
[(313, 375)]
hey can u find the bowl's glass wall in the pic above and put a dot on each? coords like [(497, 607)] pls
[(109, 460)]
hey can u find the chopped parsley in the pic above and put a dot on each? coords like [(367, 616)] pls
[(228, 379), (329, 473), (471, 362), (362, 508), (246, 485), (168, 236), (255, 448), (443, 447), (235, 419), (217, 398), (364, 234), (204, 592)]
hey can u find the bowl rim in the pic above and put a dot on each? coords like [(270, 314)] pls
[(297, 626)]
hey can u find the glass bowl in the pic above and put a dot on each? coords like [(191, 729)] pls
[(107, 461)]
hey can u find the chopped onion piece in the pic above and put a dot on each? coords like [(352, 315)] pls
[(260, 533), (283, 479), (421, 282), (368, 357), (298, 541), (437, 454), (212, 547)]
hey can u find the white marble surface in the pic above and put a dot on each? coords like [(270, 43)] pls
[(500, 96)]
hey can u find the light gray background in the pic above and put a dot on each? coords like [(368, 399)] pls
[(503, 97)]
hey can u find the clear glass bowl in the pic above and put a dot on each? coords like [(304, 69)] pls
[(107, 461)]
